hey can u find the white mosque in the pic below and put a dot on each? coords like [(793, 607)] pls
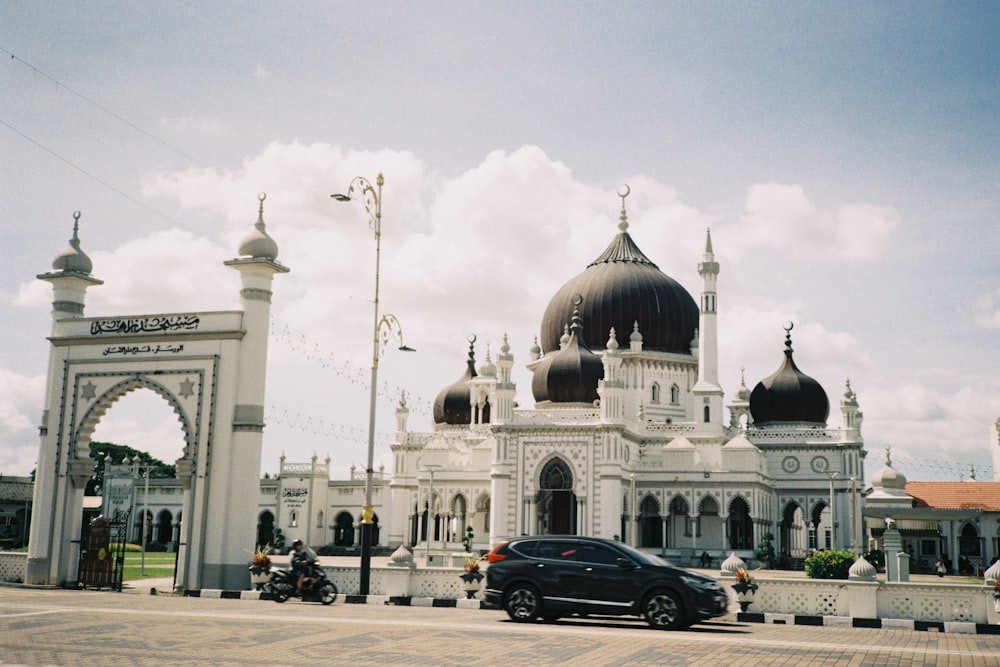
[(629, 439)]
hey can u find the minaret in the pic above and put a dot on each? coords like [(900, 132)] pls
[(237, 464), (740, 407), (70, 277), (503, 411), (402, 416), (849, 409), (612, 389), (995, 446), (706, 392)]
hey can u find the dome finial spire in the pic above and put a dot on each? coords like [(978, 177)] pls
[(76, 226), (623, 192), (788, 326)]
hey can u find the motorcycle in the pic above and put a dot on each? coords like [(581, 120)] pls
[(315, 588)]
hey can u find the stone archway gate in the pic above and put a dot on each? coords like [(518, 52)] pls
[(208, 366)]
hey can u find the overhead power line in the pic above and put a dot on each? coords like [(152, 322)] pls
[(101, 107), (95, 177)]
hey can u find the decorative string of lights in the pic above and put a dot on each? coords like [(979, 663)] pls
[(982, 466), (344, 370), (320, 427)]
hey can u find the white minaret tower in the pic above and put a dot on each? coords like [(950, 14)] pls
[(995, 446), (70, 277), (503, 410), (235, 468), (612, 389), (707, 392)]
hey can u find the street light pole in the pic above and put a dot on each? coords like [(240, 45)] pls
[(371, 196), (632, 504)]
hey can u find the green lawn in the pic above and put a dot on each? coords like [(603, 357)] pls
[(158, 565)]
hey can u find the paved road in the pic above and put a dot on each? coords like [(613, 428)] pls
[(47, 627)]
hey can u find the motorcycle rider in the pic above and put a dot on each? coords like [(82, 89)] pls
[(303, 559)]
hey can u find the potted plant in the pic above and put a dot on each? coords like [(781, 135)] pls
[(745, 587), (260, 566), (472, 577), (996, 595)]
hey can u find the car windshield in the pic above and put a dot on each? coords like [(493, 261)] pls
[(644, 558)]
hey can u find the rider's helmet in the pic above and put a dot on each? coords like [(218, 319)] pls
[(296, 543)]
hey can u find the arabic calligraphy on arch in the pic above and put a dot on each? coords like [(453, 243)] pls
[(131, 325)]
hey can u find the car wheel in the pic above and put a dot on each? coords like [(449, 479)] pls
[(663, 610), (523, 603), (328, 593)]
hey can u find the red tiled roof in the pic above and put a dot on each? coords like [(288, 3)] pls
[(956, 495)]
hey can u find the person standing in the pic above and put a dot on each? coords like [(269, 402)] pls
[(940, 567)]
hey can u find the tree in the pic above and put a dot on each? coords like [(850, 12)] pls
[(765, 550), (118, 453)]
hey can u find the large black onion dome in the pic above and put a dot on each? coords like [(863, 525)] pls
[(569, 375), (453, 405), (620, 288), (789, 395)]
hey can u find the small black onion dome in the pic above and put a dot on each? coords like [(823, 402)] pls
[(789, 395), (569, 375), (620, 288), (453, 404)]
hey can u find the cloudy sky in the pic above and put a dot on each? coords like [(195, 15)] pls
[(845, 157)]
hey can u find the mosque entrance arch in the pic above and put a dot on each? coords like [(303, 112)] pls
[(792, 532), (556, 500), (208, 366)]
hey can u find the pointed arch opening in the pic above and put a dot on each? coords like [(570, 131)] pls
[(740, 524), (556, 501), (650, 523), (792, 532)]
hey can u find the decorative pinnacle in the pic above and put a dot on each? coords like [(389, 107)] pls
[(788, 326), (623, 192), (76, 225)]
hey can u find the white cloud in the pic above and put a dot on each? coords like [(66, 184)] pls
[(20, 415), (782, 216), (987, 315)]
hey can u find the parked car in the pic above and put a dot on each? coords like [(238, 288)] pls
[(550, 576)]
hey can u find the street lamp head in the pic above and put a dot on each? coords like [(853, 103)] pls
[(406, 348), (340, 197)]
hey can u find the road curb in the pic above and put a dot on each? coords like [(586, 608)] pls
[(400, 601), (954, 627)]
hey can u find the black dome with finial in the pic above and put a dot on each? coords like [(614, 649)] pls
[(620, 288), (571, 374), (789, 395), (453, 404)]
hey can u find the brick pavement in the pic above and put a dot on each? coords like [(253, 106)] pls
[(77, 628)]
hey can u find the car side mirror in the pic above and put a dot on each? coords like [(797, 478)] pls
[(625, 564)]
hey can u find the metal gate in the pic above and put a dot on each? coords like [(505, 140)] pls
[(102, 552)]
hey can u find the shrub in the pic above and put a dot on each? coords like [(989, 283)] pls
[(876, 557), (829, 564), (765, 550)]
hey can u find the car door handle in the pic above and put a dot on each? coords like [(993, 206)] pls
[(589, 569), (541, 565)]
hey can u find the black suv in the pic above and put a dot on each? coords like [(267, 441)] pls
[(547, 577)]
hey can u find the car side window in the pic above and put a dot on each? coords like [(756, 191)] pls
[(598, 554), (556, 550)]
